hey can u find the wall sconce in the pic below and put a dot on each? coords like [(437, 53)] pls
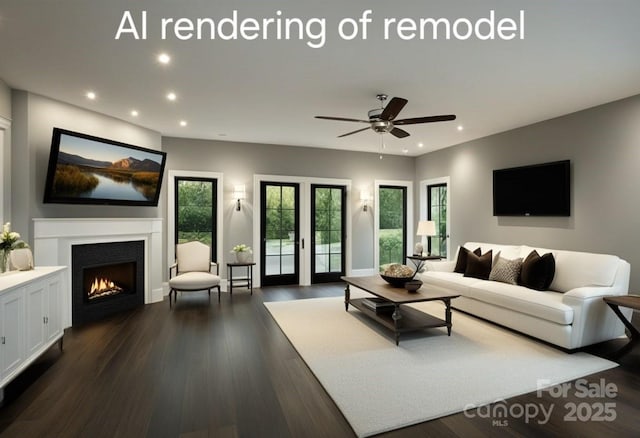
[(239, 194), (365, 197)]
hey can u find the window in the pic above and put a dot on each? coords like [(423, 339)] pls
[(437, 212), (392, 225), (195, 211)]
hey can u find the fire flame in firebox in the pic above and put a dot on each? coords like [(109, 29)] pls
[(102, 287)]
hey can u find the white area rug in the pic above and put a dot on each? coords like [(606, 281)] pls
[(381, 387)]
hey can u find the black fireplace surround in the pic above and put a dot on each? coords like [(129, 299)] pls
[(122, 263)]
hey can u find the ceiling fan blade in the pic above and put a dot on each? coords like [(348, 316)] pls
[(393, 108), (399, 133), (353, 132), (342, 119), (429, 119)]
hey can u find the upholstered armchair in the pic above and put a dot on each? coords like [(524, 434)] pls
[(192, 270)]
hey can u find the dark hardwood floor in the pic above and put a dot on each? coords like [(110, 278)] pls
[(226, 370)]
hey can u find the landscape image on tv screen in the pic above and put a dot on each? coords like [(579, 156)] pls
[(88, 169)]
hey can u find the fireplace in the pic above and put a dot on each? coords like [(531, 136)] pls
[(107, 278)]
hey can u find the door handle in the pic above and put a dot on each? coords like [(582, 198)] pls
[(303, 243)]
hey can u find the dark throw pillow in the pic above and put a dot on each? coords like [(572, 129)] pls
[(461, 262), (537, 272), (479, 266)]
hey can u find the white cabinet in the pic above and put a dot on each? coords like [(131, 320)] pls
[(30, 317), (53, 314), (36, 295), (43, 314), (11, 331)]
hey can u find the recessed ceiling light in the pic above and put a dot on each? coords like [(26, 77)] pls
[(91, 95), (222, 135), (163, 58), (405, 151), (420, 145), (134, 113), (172, 96), (460, 128), (183, 123)]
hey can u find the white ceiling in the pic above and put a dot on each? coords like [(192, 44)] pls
[(576, 54)]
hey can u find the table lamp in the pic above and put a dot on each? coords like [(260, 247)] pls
[(425, 228)]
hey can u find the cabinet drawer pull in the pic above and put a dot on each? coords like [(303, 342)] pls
[(3, 340)]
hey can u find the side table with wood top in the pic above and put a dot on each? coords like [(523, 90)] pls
[(631, 302), (418, 260), (246, 280)]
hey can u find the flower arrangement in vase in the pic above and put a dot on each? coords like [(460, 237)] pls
[(9, 240), (243, 253)]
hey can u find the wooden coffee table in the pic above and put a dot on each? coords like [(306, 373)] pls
[(400, 319)]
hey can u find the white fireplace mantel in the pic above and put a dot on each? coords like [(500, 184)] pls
[(53, 239)]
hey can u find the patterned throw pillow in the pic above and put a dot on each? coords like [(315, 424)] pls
[(505, 270)]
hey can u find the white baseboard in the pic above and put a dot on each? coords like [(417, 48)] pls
[(158, 294)]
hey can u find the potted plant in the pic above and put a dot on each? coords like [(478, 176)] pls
[(243, 253), (9, 240)]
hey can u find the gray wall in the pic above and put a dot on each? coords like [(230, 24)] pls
[(240, 161), (34, 118), (5, 100), (5, 151), (603, 144)]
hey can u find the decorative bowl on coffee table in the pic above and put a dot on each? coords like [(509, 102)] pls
[(397, 275), (396, 281), (413, 285)]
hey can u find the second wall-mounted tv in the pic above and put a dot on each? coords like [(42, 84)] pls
[(538, 190), (84, 169)]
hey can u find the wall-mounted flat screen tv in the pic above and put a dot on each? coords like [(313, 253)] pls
[(84, 169), (538, 190)]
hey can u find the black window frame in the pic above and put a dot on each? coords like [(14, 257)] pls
[(214, 203), (430, 215), (405, 219)]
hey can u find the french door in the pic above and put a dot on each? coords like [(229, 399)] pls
[(328, 235), (280, 233)]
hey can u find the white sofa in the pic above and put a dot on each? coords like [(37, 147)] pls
[(571, 314)]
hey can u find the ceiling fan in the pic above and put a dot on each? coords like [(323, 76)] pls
[(382, 120)]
